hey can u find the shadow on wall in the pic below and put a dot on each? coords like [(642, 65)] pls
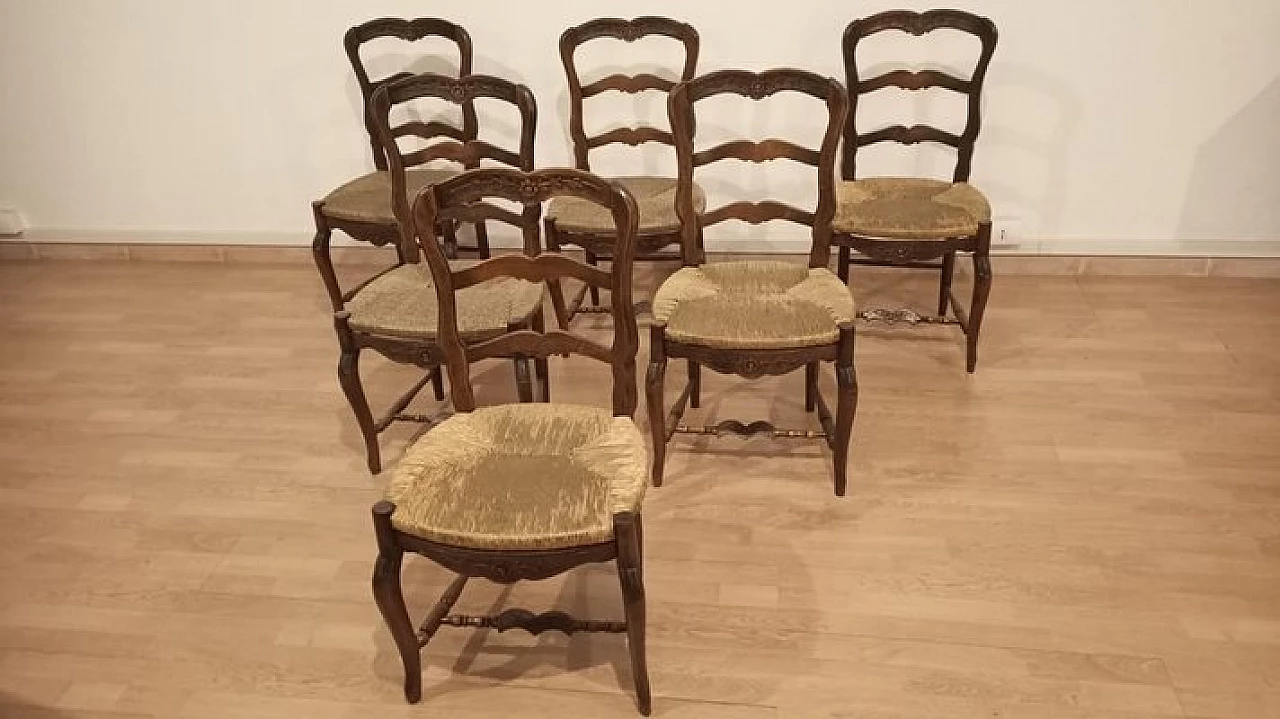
[(1234, 192), (1031, 154)]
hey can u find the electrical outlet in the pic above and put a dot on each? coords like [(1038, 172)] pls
[(11, 224), (1006, 233)]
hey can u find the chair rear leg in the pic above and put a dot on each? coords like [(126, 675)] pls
[(653, 391), (843, 261), (695, 384), (944, 289), (811, 386), (524, 384), (437, 383), (389, 596), (593, 290), (981, 292), (482, 240), (628, 534), (554, 288), (846, 407)]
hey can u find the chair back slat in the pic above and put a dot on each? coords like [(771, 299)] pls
[(625, 31), (408, 31), (681, 109), (917, 24), (468, 152)]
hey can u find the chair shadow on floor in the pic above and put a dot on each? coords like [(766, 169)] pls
[(12, 707)]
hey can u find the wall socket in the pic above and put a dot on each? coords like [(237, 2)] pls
[(11, 224), (1006, 233)]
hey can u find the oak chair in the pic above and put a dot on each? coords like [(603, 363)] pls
[(755, 318), (520, 491), (917, 222), (394, 312), (574, 222), (361, 208)]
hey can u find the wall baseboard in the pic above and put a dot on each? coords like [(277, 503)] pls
[(1005, 262), (1259, 248)]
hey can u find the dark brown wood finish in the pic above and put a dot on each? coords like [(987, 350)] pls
[(468, 153), (939, 254), (750, 364), (650, 244), (409, 31), (461, 194)]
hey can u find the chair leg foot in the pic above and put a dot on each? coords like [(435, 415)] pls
[(349, 378)]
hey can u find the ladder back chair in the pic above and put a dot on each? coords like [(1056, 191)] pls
[(755, 318), (520, 491), (394, 312), (918, 222), (574, 222), (361, 208)]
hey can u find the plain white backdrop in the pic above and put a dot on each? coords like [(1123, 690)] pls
[(1138, 126)]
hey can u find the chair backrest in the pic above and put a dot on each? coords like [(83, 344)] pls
[(409, 31), (757, 86), (917, 24), (468, 152), (627, 31), (465, 195)]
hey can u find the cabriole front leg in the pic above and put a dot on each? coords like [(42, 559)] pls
[(389, 596)]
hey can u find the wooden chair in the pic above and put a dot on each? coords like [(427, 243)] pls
[(916, 222), (572, 221), (754, 318), (394, 312), (362, 208), (521, 491)]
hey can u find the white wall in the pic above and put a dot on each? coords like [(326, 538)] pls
[(1111, 125)]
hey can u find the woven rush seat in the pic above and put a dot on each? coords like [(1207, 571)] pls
[(908, 208), (368, 198), (655, 198), (402, 303), (521, 477), (753, 305)]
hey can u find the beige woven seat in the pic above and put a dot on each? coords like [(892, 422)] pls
[(368, 198), (402, 303), (753, 305), (521, 476), (909, 208), (655, 197)]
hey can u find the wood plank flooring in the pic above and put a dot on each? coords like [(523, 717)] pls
[(1087, 528)]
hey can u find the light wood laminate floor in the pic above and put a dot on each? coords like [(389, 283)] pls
[(1087, 528)]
